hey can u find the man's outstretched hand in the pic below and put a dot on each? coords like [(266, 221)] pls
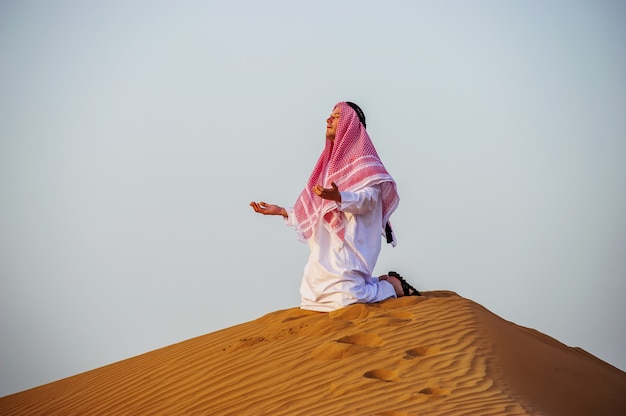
[(328, 193), (268, 209), (264, 208)]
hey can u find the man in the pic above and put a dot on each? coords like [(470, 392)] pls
[(342, 213)]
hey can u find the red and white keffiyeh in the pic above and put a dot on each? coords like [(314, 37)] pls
[(353, 164)]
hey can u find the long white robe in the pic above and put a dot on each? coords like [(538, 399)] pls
[(339, 274)]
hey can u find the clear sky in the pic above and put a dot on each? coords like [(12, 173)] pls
[(133, 135)]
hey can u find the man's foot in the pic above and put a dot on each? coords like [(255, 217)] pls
[(397, 286), (401, 286)]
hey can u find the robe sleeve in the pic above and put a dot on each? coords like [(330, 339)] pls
[(359, 202), (289, 219)]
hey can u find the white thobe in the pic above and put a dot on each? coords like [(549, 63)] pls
[(338, 273)]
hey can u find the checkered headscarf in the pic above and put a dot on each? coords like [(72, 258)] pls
[(353, 164)]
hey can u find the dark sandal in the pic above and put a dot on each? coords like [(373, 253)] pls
[(406, 287)]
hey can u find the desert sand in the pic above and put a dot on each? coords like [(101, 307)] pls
[(439, 354)]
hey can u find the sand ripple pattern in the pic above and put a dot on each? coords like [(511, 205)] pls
[(434, 355)]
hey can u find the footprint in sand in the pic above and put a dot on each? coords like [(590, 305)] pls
[(420, 351), (383, 375), (245, 343), (387, 319), (434, 391), (347, 346), (330, 351), (362, 338), (427, 394)]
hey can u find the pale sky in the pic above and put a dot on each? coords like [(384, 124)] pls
[(133, 135)]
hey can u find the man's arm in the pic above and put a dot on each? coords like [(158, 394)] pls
[(268, 209), (360, 202), (353, 202)]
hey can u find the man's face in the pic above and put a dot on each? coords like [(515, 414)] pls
[(331, 123)]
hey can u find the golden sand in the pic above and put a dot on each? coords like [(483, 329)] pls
[(439, 354)]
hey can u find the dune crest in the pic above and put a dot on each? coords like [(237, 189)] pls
[(439, 354)]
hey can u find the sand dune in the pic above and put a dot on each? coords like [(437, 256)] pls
[(439, 354)]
